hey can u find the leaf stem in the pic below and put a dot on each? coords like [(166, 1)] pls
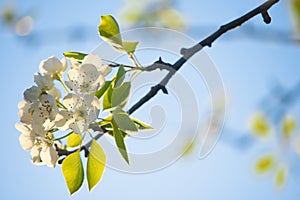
[(62, 137), (64, 86)]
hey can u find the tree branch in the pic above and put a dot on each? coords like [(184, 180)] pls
[(188, 53)]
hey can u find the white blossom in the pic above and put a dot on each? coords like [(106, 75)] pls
[(40, 143), (82, 110), (25, 112), (53, 67), (97, 62), (55, 92), (32, 94), (27, 138), (85, 79), (49, 156), (44, 82)]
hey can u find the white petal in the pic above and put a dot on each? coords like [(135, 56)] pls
[(89, 73), (32, 94), (48, 124), (71, 101), (44, 82), (97, 62), (96, 103), (27, 141), (79, 126), (51, 66), (35, 155), (38, 128), (74, 64), (55, 92), (64, 64), (24, 112), (64, 119), (22, 128), (86, 79), (49, 156), (92, 59), (93, 115), (105, 69)]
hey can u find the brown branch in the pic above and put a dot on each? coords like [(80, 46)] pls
[(188, 53)]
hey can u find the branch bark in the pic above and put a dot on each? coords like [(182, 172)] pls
[(186, 55)]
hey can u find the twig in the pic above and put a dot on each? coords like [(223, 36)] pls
[(187, 54)]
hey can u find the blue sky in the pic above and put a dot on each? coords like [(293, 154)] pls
[(248, 67)]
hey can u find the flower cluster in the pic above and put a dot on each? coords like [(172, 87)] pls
[(44, 111)]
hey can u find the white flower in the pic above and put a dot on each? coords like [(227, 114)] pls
[(36, 155), (49, 156), (55, 92), (44, 154), (44, 112), (40, 143), (27, 138), (53, 67), (24, 112), (97, 62), (85, 79), (82, 111), (44, 82), (32, 94)]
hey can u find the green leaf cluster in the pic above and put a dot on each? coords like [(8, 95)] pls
[(73, 172)]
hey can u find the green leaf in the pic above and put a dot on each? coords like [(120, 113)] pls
[(73, 172), (119, 139), (76, 55), (129, 46), (120, 95), (296, 12), (119, 77), (123, 121), (95, 164), (74, 140), (100, 92), (110, 32), (141, 125), (107, 98)]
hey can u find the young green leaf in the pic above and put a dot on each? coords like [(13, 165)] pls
[(296, 11), (141, 125), (119, 77), (100, 92), (110, 32), (74, 140), (120, 95), (73, 172), (95, 164), (123, 121), (107, 98), (120, 141), (129, 46), (76, 55)]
